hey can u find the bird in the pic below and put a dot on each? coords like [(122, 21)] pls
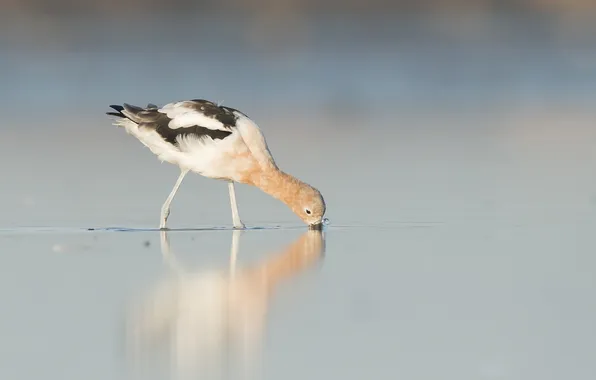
[(221, 143)]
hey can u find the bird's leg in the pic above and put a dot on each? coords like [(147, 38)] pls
[(235, 216), (165, 209)]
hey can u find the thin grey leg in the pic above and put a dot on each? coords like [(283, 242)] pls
[(165, 209), (235, 216)]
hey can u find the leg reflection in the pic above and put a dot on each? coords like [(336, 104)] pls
[(206, 318)]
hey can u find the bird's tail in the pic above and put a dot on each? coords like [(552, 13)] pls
[(118, 112), (127, 111)]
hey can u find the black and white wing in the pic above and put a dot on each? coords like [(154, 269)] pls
[(196, 118)]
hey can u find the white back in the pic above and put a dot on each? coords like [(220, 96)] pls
[(254, 139)]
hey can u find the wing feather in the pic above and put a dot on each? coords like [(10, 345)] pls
[(199, 112), (196, 118)]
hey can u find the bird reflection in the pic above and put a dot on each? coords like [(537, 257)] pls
[(211, 321)]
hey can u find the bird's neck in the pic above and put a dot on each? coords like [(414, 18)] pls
[(278, 184)]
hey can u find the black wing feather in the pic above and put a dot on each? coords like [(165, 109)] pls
[(118, 110), (151, 118), (224, 115)]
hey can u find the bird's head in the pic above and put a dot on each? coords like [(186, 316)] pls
[(303, 199), (309, 205)]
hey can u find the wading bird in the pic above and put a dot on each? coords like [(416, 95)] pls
[(221, 143)]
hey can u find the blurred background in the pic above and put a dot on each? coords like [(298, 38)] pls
[(453, 140), (377, 92)]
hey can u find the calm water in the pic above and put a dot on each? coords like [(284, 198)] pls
[(452, 301), (453, 253), (460, 183)]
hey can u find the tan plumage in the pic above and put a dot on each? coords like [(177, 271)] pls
[(221, 143)]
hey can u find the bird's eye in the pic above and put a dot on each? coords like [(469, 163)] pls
[(307, 211)]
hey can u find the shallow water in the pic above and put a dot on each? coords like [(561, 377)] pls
[(418, 301)]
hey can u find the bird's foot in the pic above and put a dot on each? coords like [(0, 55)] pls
[(164, 218), (162, 224), (238, 225)]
